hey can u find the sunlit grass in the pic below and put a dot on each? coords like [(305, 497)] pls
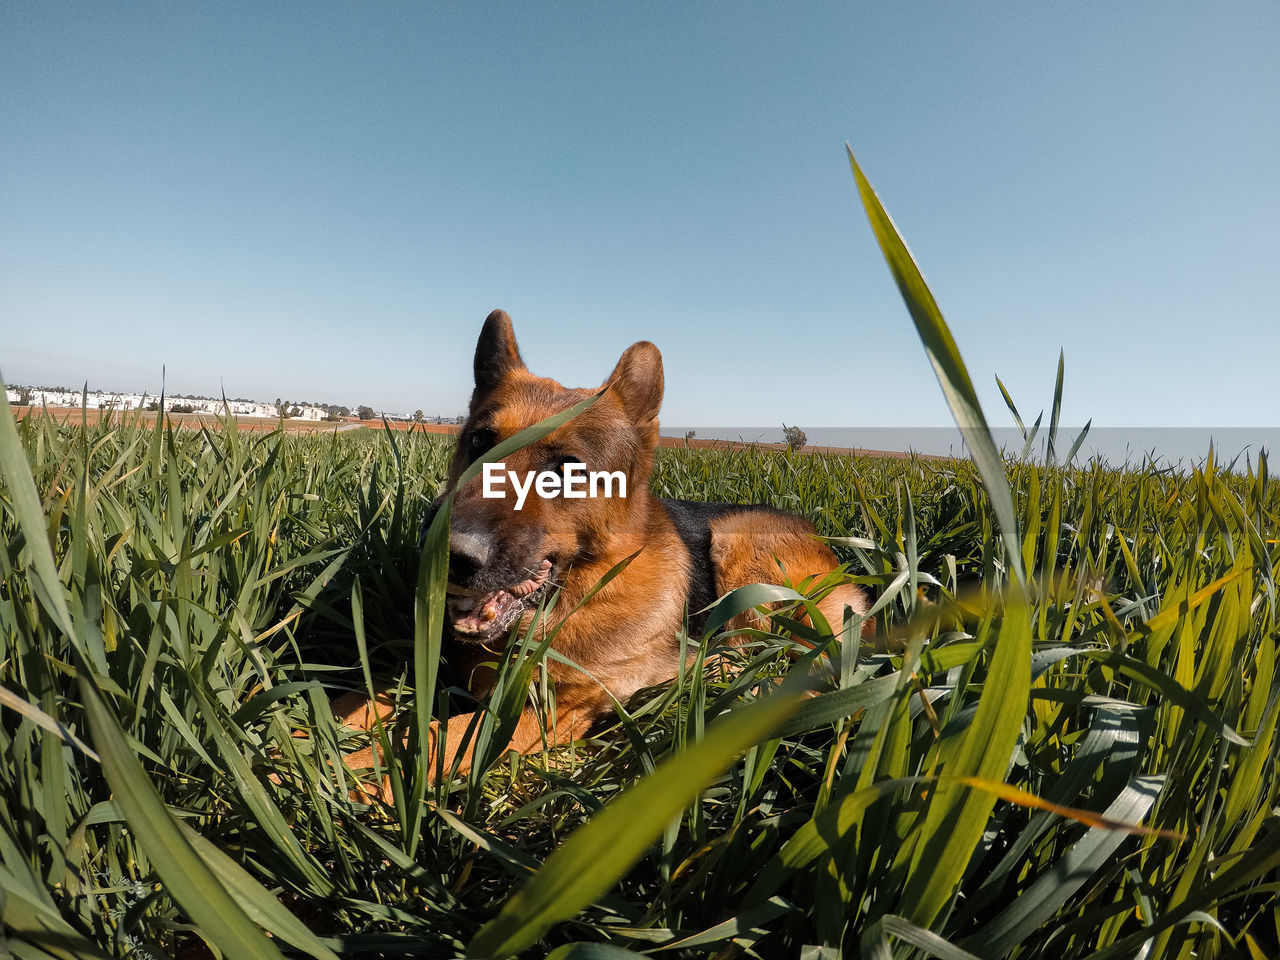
[(1081, 645)]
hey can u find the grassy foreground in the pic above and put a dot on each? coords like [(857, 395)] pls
[(1069, 752), (206, 578)]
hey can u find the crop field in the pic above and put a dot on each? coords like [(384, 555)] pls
[(1068, 748), (196, 421)]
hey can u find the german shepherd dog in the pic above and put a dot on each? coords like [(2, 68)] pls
[(505, 556)]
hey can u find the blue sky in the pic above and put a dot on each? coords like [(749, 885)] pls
[(323, 201)]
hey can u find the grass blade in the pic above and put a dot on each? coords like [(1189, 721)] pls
[(597, 854), (957, 816), (1035, 905), (949, 366), (186, 876)]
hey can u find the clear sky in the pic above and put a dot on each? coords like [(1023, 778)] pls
[(322, 201)]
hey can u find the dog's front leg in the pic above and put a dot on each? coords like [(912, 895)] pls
[(528, 737), (572, 720)]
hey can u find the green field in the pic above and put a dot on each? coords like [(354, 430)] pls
[(1068, 751)]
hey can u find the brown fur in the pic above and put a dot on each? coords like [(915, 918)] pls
[(625, 636), (771, 547)]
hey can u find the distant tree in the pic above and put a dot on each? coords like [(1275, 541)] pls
[(689, 435), (294, 411), (281, 412), (460, 418), (418, 416), (365, 412), (154, 406), (182, 408), (794, 436), (24, 396)]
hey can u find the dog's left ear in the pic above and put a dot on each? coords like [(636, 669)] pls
[(637, 379), (496, 353)]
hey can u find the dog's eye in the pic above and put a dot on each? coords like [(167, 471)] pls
[(480, 442), (559, 463)]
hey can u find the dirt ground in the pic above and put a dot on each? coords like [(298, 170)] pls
[(195, 420), (75, 415)]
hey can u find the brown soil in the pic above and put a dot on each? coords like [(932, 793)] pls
[(196, 420), (75, 415)]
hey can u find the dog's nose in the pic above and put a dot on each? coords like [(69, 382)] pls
[(468, 555)]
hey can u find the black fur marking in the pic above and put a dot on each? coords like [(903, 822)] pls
[(692, 520)]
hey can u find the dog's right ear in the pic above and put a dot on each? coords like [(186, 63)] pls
[(638, 381), (496, 353)]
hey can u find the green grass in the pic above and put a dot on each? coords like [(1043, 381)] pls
[(1075, 649)]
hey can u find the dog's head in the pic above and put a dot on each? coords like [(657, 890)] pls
[(506, 550)]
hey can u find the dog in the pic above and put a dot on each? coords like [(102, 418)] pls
[(507, 552)]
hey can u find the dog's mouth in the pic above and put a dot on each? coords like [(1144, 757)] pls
[(479, 616)]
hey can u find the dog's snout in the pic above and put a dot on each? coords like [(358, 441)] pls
[(469, 553)]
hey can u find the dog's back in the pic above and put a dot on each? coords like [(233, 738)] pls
[(731, 545)]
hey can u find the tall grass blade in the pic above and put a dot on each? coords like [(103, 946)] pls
[(187, 877), (30, 517), (1050, 456), (957, 816), (429, 605), (1035, 905), (1008, 402), (952, 374), (597, 854)]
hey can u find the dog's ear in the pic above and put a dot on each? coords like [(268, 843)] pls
[(496, 353), (637, 379)]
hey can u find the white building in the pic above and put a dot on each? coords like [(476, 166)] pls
[(101, 400)]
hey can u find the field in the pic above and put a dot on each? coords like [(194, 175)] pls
[(197, 421), (1068, 750)]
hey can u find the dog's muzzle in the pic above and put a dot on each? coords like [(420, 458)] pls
[(481, 615)]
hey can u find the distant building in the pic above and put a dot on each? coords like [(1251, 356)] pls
[(101, 400)]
